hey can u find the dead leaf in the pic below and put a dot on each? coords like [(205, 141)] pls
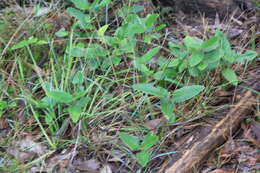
[(19, 155), (29, 145), (26, 149), (105, 169), (153, 124), (87, 165)]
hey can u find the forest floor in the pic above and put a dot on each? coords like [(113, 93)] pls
[(108, 87)]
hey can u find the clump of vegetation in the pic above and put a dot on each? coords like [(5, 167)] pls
[(105, 65)]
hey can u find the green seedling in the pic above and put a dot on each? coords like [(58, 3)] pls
[(169, 99), (197, 56), (143, 155)]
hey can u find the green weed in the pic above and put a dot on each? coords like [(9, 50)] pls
[(135, 144), (104, 73)]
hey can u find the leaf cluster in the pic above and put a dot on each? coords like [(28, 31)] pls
[(143, 155)]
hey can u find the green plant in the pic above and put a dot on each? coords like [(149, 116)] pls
[(169, 99), (197, 56), (90, 70), (73, 104), (143, 155), (3, 106), (101, 54), (30, 41)]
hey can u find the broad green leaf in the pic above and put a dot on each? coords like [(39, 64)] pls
[(186, 93), (124, 11), (192, 42), (81, 4), (174, 62), (213, 65), (150, 89), (135, 29), (159, 75), (143, 158), (249, 55), (162, 61), (230, 56), (179, 53), (62, 33), (147, 39), (194, 71), (79, 94), (176, 82), (93, 64), (74, 112), (83, 19), (78, 78), (210, 44), (41, 42), (178, 50), (32, 40), (129, 140), (94, 5), (183, 66), (60, 96), (109, 40), (202, 66), (116, 60), (151, 19), (230, 76), (149, 141), (213, 56), (167, 109), (37, 103), (127, 46), (78, 51), (3, 104), (225, 45), (160, 27), (149, 55), (95, 50), (19, 45), (195, 58), (83, 102), (174, 45), (142, 67), (102, 30), (46, 102)]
